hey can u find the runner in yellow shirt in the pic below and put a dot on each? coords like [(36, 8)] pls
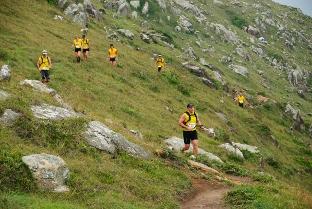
[(160, 63), (112, 54), (77, 47)]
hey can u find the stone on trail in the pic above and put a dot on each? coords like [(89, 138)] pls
[(101, 137), (239, 70), (50, 171), (46, 111), (176, 144), (203, 167)]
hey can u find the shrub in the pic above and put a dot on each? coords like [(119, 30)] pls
[(184, 90), (236, 19), (242, 196)]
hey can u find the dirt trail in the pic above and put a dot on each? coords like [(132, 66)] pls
[(209, 194)]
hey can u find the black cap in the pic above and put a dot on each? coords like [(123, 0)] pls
[(189, 105)]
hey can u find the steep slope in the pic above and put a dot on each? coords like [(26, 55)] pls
[(134, 96)]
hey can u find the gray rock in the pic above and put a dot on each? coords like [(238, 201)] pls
[(178, 28), (203, 62), (208, 82), (134, 15), (188, 5), (185, 24), (228, 35), (5, 73), (218, 77), (253, 30), (233, 150), (39, 86), (63, 4), (189, 53), (239, 70), (77, 13), (296, 77), (296, 116), (45, 111), (91, 10), (9, 117), (243, 53), (137, 134), (49, 171), (161, 3), (209, 131), (259, 51), (217, 2), (249, 148), (135, 4), (198, 71), (176, 144), (145, 38), (101, 137), (4, 95), (124, 9), (145, 8), (126, 33)]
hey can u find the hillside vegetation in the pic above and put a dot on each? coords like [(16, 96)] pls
[(134, 95)]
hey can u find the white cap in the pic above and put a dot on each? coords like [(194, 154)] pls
[(44, 51)]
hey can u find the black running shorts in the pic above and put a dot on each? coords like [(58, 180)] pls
[(112, 59), (85, 50), (77, 49), (189, 136)]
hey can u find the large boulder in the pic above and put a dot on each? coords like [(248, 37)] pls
[(176, 144), (297, 77), (126, 33), (226, 34), (77, 13), (50, 171), (185, 24), (9, 117), (46, 111), (5, 73), (239, 70), (232, 150), (101, 137), (194, 69), (4, 95)]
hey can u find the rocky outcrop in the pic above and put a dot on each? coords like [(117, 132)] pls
[(176, 144), (135, 4), (4, 95), (239, 70), (185, 24), (5, 73), (226, 34), (189, 6), (39, 86), (252, 30), (189, 53), (80, 12), (9, 117), (123, 8), (243, 53), (127, 33), (101, 137), (50, 171), (145, 8), (298, 123), (46, 111), (162, 4)]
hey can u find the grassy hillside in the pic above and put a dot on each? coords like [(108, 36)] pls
[(135, 96)]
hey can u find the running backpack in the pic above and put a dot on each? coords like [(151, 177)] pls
[(189, 117)]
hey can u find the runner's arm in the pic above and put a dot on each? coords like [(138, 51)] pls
[(181, 122)]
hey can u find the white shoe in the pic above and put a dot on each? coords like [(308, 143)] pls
[(193, 157)]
